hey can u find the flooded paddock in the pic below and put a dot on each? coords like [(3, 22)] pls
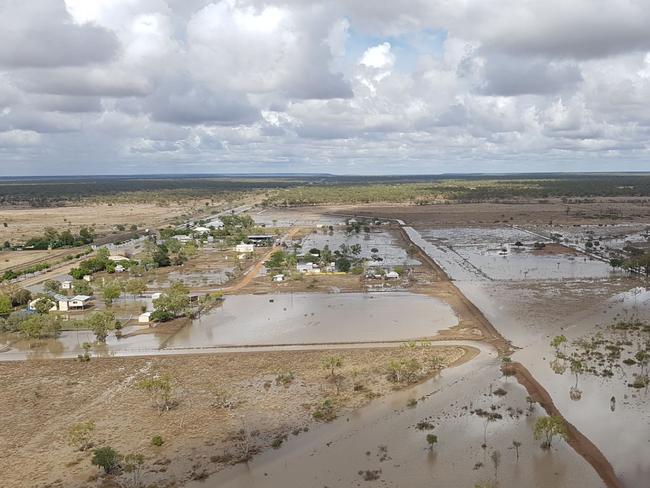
[(306, 318), (382, 442), (384, 242)]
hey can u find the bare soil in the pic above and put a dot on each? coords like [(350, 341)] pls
[(215, 397), (600, 211)]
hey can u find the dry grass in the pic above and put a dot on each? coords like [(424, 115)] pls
[(47, 397)]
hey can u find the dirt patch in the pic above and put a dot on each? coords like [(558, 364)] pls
[(551, 249), (578, 441), (267, 394)]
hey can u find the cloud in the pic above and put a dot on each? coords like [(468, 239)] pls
[(340, 85)]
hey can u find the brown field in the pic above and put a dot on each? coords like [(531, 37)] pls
[(48, 397), (23, 223), (17, 259), (602, 211)]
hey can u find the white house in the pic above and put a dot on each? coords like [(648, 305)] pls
[(144, 318), (32, 304), (182, 238), (278, 277), (245, 247), (392, 275), (156, 296), (119, 268), (66, 285), (88, 278), (77, 302), (201, 230)]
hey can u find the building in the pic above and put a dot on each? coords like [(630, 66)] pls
[(201, 230), (308, 268), (392, 275), (119, 268), (77, 302), (144, 318), (182, 238), (278, 277), (156, 296), (245, 247), (88, 278), (261, 240), (32, 304), (66, 285)]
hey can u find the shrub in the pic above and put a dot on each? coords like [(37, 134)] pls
[(106, 458), (157, 441)]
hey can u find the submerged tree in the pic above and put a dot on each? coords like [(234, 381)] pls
[(547, 428)]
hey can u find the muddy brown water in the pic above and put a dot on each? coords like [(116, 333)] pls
[(382, 438)]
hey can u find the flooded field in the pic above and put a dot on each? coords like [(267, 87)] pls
[(317, 318), (283, 318), (477, 254), (378, 243), (576, 300), (386, 442)]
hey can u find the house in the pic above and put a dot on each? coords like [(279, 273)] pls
[(245, 247), (116, 258), (88, 278), (119, 268), (77, 302), (392, 275), (182, 238), (201, 230), (144, 318), (308, 268), (66, 285), (278, 277), (156, 296)]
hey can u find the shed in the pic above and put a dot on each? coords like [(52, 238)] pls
[(392, 275), (245, 247), (278, 277), (119, 268), (144, 318), (66, 285)]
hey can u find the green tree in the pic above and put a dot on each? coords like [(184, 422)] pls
[(100, 323), (40, 326), (558, 341), (432, 440), (106, 458), (343, 264), (82, 287), (52, 286), (5, 304), (136, 286), (160, 389), (43, 305), (547, 428), (111, 291), (174, 301)]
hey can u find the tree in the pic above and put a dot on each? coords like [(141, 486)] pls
[(110, 292), (174, 301), (43, 305), (82, 287), (52, 286), (558, 341), (40, 326), (101, 323), (5, 304), (136, 286), (343, 264), (134, 465), (160, 389), (106, 458), (548, 427), (432, 439), (332, 362), (79, 435), (20, 296), (516, 445)]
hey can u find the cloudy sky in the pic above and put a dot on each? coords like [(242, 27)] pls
[(339, 86)]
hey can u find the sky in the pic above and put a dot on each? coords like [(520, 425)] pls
[(331, 86)]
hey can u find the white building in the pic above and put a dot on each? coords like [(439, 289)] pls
[(116, 258), (182, 238), (144, 318), (308, 268), (119, 268), (245, 247), (88, 278), (278, 277), (392, 275), (66, 285), (201, 230)]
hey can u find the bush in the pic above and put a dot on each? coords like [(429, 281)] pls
[(106, 458), (160, 316), (157, 441)]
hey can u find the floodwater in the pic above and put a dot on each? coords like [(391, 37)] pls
[(388, 249), (276, 319), (308, 318), (530, 312), (473, 254), (382, 437)]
